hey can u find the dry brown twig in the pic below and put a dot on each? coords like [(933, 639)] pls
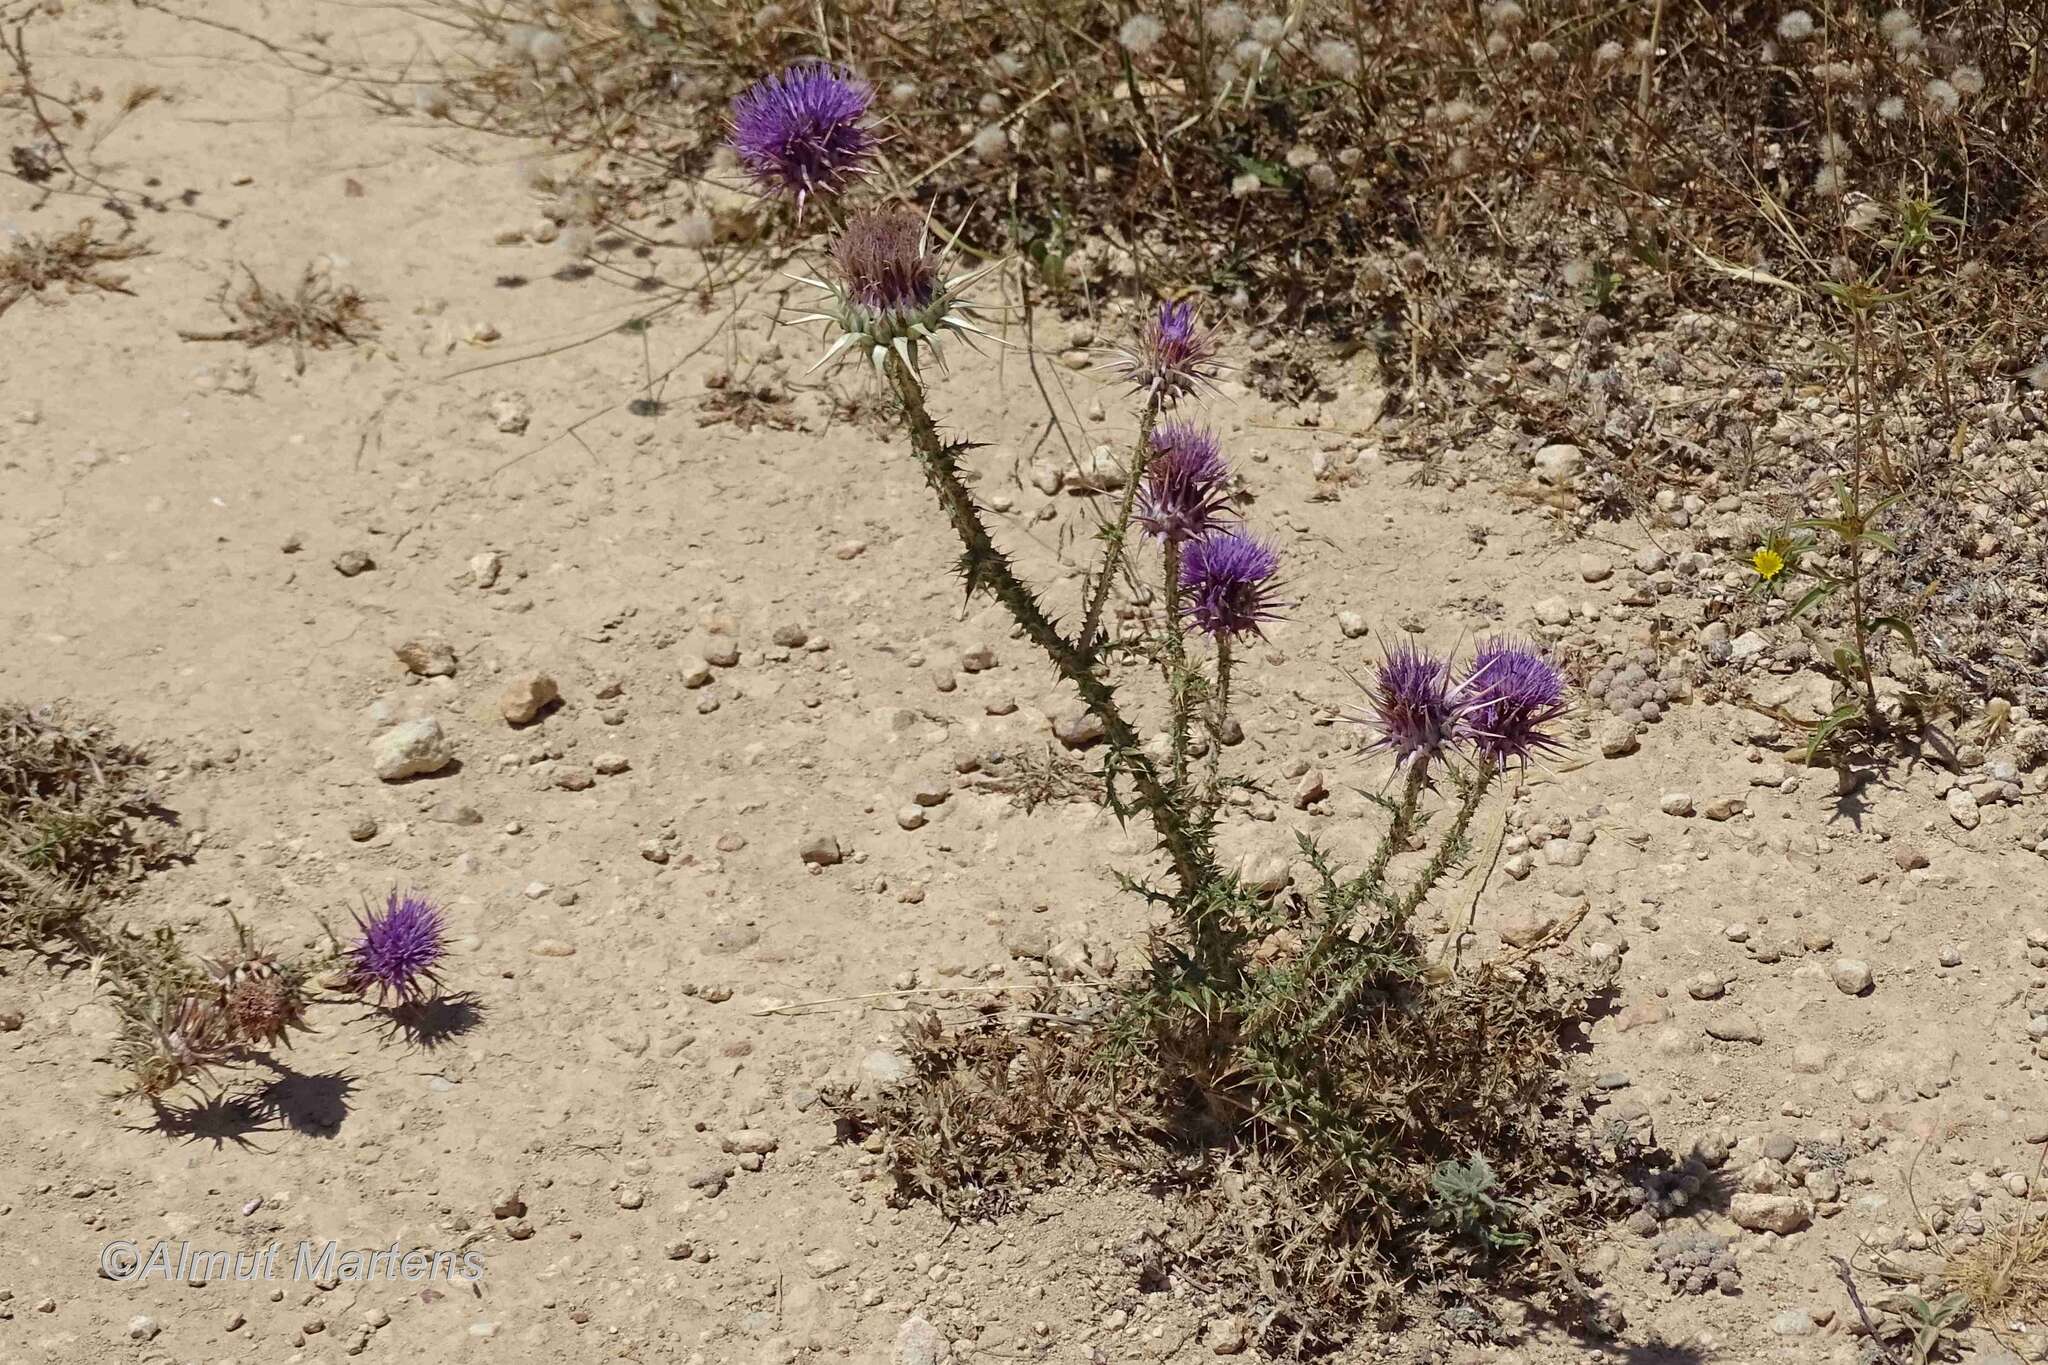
[(317, 314), (75, 259)]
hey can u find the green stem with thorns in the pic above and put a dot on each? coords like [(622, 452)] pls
[(989, 568), (1118, 532)]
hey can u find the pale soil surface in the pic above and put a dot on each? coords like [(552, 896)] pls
[(170, 518)]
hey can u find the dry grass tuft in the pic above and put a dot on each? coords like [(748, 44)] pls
[(75, 259), (318, 314), (1428, 1135), (2005, 1275), (75, 811)]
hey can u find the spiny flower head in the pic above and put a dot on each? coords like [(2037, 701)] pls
[(1508, 703), (1412, 709), (1185, 493), (889, 293), (881, 262), (264, 1009), (803, 130), (1175, 355), (399, 948), (1229, 579)]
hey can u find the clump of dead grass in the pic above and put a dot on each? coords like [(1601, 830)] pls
[(76, 258), (317, 314), (2005, 1275), (1412, 1126), (76, 811)]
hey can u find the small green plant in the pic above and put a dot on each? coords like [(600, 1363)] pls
[(1466, 1198), (1794, 555)]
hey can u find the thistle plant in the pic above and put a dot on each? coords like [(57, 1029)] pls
[(888, 298), (1297, 1016), (183, 1019)]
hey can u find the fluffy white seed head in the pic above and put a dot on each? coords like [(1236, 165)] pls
[(1609, 51), (1796, 26), (1250, 52), (1321, 178), (1140, 34), (1968, 80), (1227, 22), (1301, 154), (990, 104), (547, 48), (1908, 39), (1337, 58), (1894, 22), (769, 15), (903, 92), (696, 231), (1269, 29), (1505, 14), (1244, 183), (992, 143), (1012, 64), (1540, 51), (1496, 44), (1829, 180), (1832, 148), (1943, 96), (1891, 108)]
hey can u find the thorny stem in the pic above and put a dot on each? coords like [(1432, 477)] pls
[(1176, 665), (990, 568), (1392, 842), (1449, 848), (1118, 532), (1219, 712)]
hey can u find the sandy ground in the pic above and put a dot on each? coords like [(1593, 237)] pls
[(624, 876)]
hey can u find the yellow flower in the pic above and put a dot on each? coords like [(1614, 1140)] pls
[(1768, 563)]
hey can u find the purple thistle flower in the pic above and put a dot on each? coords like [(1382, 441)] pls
[(802, 131), (1507, 701), (882, 264), (1411, 705), (1176, 355), (1228, 578), (400, 947), (887, 291), (1185, 493)]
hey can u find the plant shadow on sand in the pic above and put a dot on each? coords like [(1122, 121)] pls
[(311, 1104), (426, 1025)]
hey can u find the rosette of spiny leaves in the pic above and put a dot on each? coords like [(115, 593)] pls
[(172, 1027), (889, 293)]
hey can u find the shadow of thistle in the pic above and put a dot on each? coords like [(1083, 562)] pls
[(218, 1119), (425, 1025), (314, 1105)]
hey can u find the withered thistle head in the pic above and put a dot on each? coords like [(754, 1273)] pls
[(182, 1038), (399, 949), (263, 1008), (1185, 493), (803, 131)]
